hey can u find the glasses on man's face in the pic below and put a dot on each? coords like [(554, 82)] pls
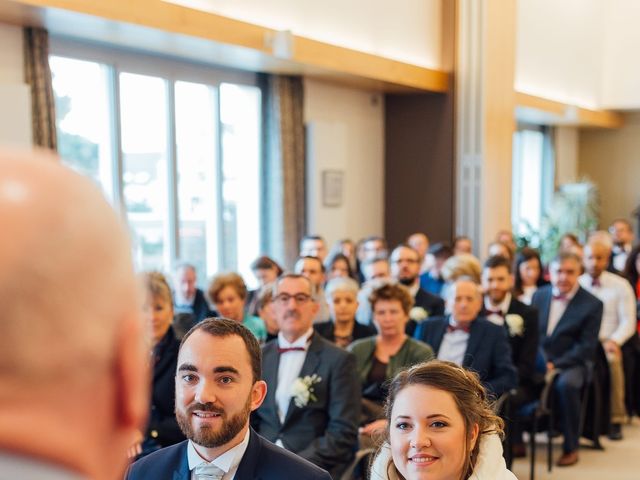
[(299, 298)]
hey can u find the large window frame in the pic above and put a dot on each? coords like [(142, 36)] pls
[(546, 173), (172, 70)]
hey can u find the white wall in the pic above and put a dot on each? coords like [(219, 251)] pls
[(15, 114), (566, 149), (621, 44), (559, 50), (581, 52), (345, 133), (406, 30)]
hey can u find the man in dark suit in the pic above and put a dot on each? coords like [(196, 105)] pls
[(405, 268), (471, 341), (521, 324), (217, 386), (313, 404), (570, 320), (187, 297)]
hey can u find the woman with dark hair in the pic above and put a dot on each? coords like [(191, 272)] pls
[(440, 426), (528, 274), (632, 273), (632, 269), (266, 270), (337, 266)]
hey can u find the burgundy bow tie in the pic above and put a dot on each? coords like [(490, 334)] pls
[(462, 328), (560, 297), (291, 349), (495, 312), (595, 282)]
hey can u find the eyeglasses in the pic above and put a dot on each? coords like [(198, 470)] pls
[(300, 298)]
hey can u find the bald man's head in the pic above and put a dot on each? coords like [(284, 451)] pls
[(72, 360), (66, 275)]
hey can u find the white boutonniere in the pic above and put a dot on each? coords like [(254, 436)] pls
[(515, 323), (418, 314), (302, 390)]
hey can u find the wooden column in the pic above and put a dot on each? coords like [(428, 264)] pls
[(485, 118)]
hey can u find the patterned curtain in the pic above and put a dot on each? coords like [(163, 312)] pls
[(283, 176), (38, 77)]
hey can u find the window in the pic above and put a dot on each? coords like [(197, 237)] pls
[(175, 145), (532, 184)]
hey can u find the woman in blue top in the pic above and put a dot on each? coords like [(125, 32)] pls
[(229, 294)]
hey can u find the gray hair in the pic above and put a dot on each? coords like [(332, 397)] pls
[(295, 276), (341, 284)]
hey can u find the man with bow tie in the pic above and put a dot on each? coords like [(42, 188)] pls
[(618, 320), (312, 407), (217, 386), (520, 321), (569, 321), (469, 340)]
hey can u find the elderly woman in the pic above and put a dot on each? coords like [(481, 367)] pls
[(342, 329), (380, 357), (440, 426), (229, 294), (162, 430)]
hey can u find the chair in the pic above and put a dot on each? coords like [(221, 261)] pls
[(503, 408), (360, 463), (533, 414)]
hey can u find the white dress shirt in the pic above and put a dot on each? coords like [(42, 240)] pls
[(619, 314), (227, 462), (503, 307), (289, 369), (527, 294), (557, 308), (454, 345)]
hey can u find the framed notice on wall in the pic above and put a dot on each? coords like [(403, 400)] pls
[(332, 188)]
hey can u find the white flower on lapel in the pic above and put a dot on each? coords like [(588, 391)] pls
[(302, 390), (418, 314), (515, 323)]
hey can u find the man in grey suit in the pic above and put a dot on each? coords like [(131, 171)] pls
[(72, 361), (569, 324), (312, 406)]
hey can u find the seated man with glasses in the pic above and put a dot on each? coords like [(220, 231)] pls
[(405, 268), (312, 406)]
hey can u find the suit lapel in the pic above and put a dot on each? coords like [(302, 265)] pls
[(545, 308), (270, 363), (475, 336), (309, 367), (250, 459), (182, 471), (438, 334), (569, 312)]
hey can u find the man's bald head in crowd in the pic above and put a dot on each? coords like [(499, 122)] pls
[(71, 357)]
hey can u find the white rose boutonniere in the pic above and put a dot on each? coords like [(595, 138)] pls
[(302, 390), (516, 324), (418, 314)]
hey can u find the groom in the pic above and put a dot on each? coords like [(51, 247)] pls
[(312, 406)]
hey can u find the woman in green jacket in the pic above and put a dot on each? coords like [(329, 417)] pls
[(381, 357)]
